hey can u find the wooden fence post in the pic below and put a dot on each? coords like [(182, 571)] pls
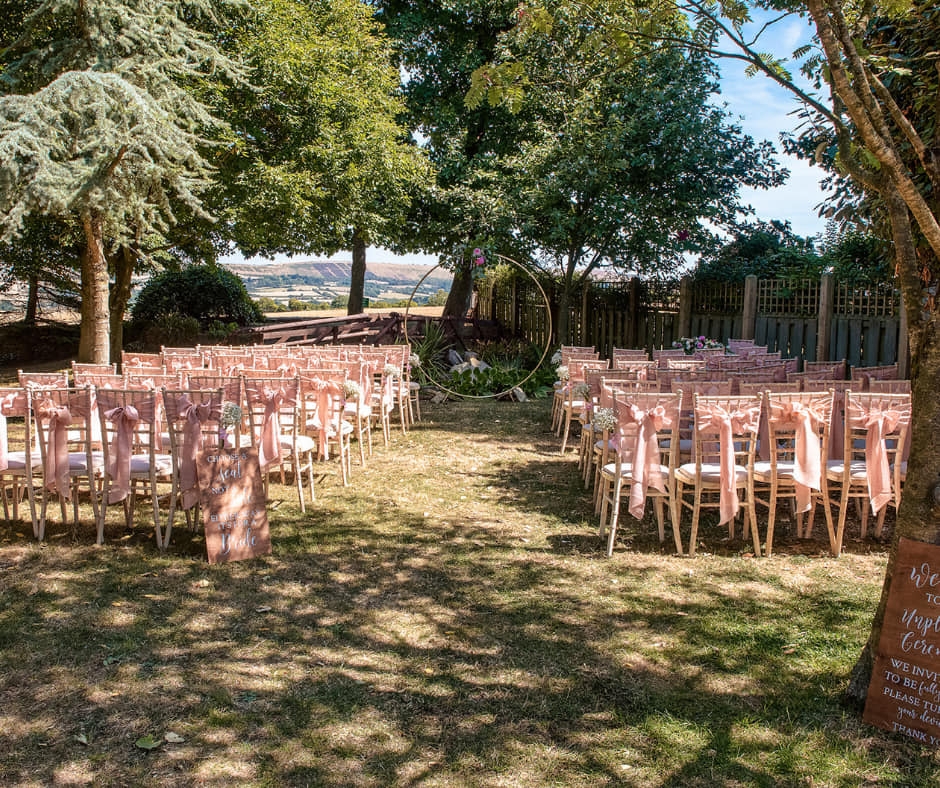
[(685, 306), (749, 318), (824, 320)]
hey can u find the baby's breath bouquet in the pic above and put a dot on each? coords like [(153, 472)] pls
[(351, 390), (691, 344), (563, 373), (391, 371), (604, 420), (230, 419)]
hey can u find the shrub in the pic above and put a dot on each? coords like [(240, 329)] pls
[(202, 292)]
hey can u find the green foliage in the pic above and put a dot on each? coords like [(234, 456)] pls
[(858, 258), (431, 349), (171, 328), (203, 292), (768, 250), (268, 304), (219, 330), (437, 299), (501, 378)]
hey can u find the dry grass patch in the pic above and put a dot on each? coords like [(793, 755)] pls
[(449, 619)]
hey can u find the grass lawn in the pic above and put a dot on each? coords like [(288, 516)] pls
[(449, 619)]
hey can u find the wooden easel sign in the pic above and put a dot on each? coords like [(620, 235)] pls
[(904, 693), (231, 493)]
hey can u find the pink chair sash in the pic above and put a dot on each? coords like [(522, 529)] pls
[(8, 402), (878, 423), (647, 470), (125, 418), (269, 449), (807, 451), (195, 415), (711, 417), (56, 468), (326, 390)]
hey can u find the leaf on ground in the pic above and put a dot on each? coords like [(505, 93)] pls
[(173, 738), (147, 743), (81, 738)]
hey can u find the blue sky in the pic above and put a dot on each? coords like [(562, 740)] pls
[(763, 109)]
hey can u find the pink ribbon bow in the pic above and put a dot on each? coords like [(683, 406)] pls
[(807, 452), (711, 417), (119, 462), (195, 415), (326, 390), (56, 468), (11, 403), (269, 449), (878, 422), (647, 468)]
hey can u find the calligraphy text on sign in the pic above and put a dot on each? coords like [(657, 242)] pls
[(233, 502), (904, 694)]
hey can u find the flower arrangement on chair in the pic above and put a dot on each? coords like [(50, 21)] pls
[(230, 419), (691, 344)]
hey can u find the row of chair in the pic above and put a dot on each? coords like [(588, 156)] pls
[(738, 452)]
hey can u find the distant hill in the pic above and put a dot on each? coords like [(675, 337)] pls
[(322, 280)]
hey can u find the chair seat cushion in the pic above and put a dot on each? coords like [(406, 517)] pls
[(763, 470), (626, 470), (16, 461), (78, 462), (140, 464), (835, 470), (711, 474)]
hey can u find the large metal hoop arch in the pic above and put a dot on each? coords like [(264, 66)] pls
[(548, 336)]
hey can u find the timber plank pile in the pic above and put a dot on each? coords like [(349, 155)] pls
[(360, 329)]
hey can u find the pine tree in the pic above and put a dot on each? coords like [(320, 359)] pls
[(97, 127)]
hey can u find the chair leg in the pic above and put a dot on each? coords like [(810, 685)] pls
[(614, 516), (771, 518), (675, 505), (658, 508), (696, 511)]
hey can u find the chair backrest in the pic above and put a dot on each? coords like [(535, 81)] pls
[(631, 410), (16, 402), (709, 415), (128, 419), (273, 405), (43, 380), (152, 382), (687, 362), (641, 368), (79, 368), (751, 388), (49, 414), (179, 404), (631, 354), (98, 381), (827, 369), (785, 411), (176, 360), (231, 386), (865, 374), (890, 412), (889, 386), (129, 360)]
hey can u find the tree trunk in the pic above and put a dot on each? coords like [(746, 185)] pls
[(94, 340), (357, 280), (123, 265), (32, 301), (458, 300), (919, 515)]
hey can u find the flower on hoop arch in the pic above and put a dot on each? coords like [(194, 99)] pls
[(478, 264)]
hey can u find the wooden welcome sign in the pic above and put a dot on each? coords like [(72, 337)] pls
[(231, 494), (904, 694)]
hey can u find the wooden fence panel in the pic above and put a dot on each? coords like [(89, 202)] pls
[(864, 342)]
